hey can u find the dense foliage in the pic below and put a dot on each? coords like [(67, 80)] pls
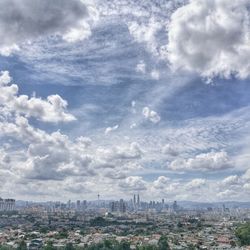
[(243, 234), (105, 245), (124, 245), (110, 245)]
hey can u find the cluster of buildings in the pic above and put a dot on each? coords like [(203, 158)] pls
[(138, 222), (7, 205), (210, 229), (113, 206), (118, 206)]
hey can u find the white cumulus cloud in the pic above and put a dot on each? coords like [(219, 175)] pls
[(231, 180), (23, 21), (151, 115), (161, 182), (195, 183), (211, 161), (53, 109), (133, 183), (211, 38)]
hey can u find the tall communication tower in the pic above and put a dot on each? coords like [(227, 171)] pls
[(98, 197)]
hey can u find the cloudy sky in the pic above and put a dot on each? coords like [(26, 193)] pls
[(120, 97)]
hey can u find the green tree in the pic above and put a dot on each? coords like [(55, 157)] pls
[(49, 246), (147, 247), (69, 246), (163, 243), (232, 243), (124, 245), (243, 234), (108, 244), (44, 230), (191, 247), (63, 234), (22, 245), (98, 221), (3, 247)]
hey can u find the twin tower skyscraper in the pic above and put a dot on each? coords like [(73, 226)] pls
[(136, 201)]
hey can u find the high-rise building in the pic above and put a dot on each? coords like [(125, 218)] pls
[(118, 206), (84, 204), (78, 205), (175, 206), (69, 204), (122, 206), (7, 204), (114, 206), (138, 200), (224, 207)]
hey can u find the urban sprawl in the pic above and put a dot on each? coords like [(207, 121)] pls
[(122, 224)]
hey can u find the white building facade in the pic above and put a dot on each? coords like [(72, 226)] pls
[(7, 204)]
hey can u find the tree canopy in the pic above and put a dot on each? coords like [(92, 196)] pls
[(243, 234)]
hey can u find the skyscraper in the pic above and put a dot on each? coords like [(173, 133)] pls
[(134, 202), (7, 204), (84, 204), (122, 206), (69, 204), (175, 206), (78, 205)]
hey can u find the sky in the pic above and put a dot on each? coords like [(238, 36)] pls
[(123, 97)]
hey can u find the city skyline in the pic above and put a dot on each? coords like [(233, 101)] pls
[(102, 207), (116, 98)]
